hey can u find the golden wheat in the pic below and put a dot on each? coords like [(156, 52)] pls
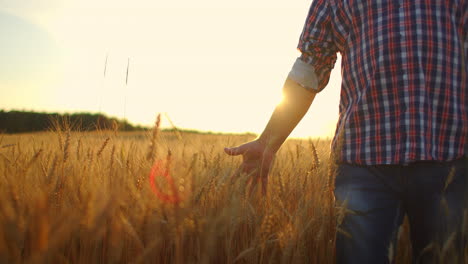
[(98, 206)]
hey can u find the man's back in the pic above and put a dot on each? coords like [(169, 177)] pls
[(404, 92)]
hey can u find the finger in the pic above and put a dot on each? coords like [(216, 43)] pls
[(265, 174), (264, 184), (262, 178), (242, 169), (253, 185), (236, 174), (254, 180), (235, 151)]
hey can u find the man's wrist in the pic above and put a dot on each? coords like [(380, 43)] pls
[(270, 143)]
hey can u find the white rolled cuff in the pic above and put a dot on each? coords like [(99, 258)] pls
[(304, 74)]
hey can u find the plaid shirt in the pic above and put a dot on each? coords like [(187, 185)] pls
[(404, 90)]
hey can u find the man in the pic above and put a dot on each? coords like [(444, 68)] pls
[(402, 132)]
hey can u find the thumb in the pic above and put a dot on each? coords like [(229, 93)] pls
[(235, 151)]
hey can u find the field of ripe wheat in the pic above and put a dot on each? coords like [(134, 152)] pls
[(162, 197)]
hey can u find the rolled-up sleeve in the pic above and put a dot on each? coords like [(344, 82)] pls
[(318, 51)]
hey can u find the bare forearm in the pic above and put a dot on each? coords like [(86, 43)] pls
[(295, 104)]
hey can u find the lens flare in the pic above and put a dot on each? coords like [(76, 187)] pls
[(159, 170)]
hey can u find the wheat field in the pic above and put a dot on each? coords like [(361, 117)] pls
[(87, 197)]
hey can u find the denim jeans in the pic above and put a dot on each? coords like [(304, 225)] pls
[(431, 194)]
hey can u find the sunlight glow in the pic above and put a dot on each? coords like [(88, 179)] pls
[(211, 65)]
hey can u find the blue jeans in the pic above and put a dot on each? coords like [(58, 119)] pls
[(431, 194)]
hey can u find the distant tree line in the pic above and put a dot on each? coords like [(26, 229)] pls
[(20, 121)]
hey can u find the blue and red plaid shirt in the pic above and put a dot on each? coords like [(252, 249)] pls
[(404, 69)]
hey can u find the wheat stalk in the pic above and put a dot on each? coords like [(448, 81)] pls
[(176, 130), (103, 146), (78, 149), (7, 146), (66, 148), (315, 158), (152, 147)]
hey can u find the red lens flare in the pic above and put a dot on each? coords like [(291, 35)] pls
[(158, 170)]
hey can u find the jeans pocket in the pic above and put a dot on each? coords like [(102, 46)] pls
[(362, 189)]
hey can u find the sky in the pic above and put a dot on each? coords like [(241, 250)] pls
[(211, 65)]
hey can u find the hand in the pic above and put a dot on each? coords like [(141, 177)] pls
[(257, 161)]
